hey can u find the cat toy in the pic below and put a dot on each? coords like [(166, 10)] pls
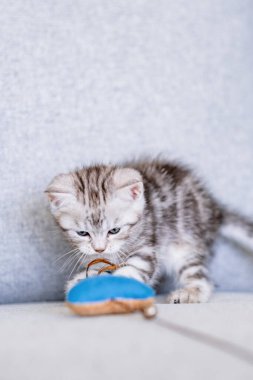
[(110, 294)]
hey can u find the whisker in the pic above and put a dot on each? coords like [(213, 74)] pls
[(75, 266), (65, 254), (120, 258), (83, 257), (69, 261), (115, 259), (122, 255)]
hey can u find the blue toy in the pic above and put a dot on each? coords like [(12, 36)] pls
[(111, 295)]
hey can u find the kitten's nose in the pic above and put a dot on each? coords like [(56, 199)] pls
[(99, 250)]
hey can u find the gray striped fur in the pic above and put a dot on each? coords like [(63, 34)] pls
[(168, 221)]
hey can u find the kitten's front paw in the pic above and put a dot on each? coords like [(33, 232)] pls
[(70, 284), (128, 271), (78, 278), (186, 295)]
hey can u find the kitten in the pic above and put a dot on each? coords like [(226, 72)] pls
[(149, 215)]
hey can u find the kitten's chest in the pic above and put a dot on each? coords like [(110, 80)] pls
[(172, 256)]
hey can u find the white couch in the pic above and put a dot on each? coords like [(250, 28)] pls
[(194, 342)]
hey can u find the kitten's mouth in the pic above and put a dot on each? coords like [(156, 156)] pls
[(110, 256)]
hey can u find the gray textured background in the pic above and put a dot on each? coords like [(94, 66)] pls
[(105, 80)]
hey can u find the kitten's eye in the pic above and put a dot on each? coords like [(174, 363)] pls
[(114, 231), (82, 233)]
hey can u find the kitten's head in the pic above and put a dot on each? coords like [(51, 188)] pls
[(99, 208)]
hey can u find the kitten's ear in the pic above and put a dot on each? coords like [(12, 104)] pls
[(128, 184), (60, 191)]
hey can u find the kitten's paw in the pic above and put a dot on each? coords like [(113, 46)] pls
[(187, 295), (70, 284), (78, 278), (128, 271)]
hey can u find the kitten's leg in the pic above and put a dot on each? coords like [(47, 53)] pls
[(78, 277), (192, 276), (140, 266)]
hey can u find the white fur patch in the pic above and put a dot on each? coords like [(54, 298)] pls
[(130, 272), (139, 263), (177, 256)]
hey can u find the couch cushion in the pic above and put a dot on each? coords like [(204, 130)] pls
[(200, 341)]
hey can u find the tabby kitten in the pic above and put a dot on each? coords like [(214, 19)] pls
[(148, 216)]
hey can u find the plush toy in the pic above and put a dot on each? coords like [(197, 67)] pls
[(110, 295)]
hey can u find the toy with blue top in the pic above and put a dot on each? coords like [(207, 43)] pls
[(111, 294)]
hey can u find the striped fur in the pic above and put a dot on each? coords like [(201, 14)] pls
[(167, 220)]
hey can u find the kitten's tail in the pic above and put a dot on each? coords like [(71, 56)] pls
[(237, 228)]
